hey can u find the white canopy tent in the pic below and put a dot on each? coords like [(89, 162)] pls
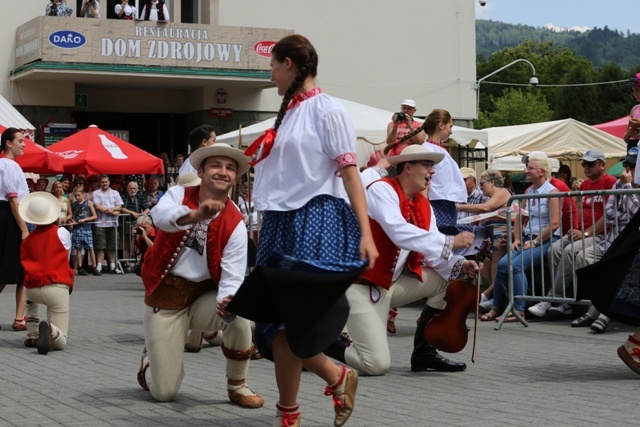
[(371, 131), (566, 140), (10, 117)]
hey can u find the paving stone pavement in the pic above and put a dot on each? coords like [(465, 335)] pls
[(546, 374)]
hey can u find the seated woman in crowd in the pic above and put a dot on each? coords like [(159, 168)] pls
[(492, 186), (532, 238)]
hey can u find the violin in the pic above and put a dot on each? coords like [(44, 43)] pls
[(448, 331)]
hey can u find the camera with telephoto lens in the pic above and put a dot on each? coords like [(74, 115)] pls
[(401, 117)]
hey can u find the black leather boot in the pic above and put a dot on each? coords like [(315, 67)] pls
[(425, 357), (337, 348)]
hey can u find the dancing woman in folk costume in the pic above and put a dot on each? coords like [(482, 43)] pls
[(13, 187), (303, 167)]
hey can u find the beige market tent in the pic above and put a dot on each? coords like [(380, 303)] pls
[(566, 140), (371, 130)]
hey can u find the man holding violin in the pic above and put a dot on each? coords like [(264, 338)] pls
[(416, 261)]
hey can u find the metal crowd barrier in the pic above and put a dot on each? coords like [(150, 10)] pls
[(538, 277)]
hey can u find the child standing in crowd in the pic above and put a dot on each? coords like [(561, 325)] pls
[(300, 180), (82, 239), (47, 277)]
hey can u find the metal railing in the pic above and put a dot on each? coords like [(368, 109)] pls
[(566, 290)]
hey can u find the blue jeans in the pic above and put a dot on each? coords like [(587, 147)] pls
[(521, 263)]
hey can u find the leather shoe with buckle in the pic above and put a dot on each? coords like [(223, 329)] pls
[(435, 362)]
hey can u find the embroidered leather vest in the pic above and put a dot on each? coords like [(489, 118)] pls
[(161, 257), (42, 268), (416, 211)]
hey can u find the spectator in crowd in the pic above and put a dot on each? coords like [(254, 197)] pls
[(531, 243), (108, 205), (138, 178), (564, 175), (632, 134), (153, 194), (155, 10), (13, 187), (125, 11), (575, 240), (145, 234), (57, 8), (200, 136), (93, 182), (118, 184), (475, 195), (64, 211), (492, 186), (416, 262), (617, 213), (66, 185), (43, 184), (401, 124), (135, 205), (90, 9), (47, 277), (82, 236)]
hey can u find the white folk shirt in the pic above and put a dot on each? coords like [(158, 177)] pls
[(12, 180), (190, 264), (447, 183), (384, 208), (302, 164)]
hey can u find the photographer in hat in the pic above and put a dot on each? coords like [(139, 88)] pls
[(48, 279), (191, 273), (416, 261), (401, 124)]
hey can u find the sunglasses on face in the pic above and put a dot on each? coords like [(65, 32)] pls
[(589, 164)]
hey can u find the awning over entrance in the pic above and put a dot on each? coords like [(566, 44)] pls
[(10, 117)]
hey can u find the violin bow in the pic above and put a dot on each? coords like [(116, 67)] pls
[(480, 256)]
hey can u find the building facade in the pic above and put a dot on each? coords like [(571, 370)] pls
[(210, 62)]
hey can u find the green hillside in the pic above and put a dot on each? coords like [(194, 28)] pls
[(599, 45)]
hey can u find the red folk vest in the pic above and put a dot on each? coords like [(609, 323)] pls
[(48, 266), (416, 211), (160, 258)]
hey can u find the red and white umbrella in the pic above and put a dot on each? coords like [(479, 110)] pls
[(94, 151), (38, 159)]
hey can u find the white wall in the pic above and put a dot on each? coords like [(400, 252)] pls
[(379, 52)]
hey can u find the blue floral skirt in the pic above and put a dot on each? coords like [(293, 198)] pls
[(323, 235)]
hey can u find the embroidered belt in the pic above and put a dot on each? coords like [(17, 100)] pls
[(176, 293)]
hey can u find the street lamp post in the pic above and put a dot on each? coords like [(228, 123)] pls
[(532, 81)]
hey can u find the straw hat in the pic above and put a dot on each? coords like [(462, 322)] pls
[(188, 179), (414, 153), (223, 150), (39, 208)]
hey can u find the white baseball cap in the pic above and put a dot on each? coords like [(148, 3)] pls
[(409, 103)]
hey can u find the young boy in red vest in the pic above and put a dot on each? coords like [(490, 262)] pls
[(48, 279)]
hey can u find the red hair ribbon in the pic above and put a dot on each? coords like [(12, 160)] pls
[(265, 141)]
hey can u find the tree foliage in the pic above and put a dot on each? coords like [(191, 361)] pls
[(517, 107), (570, 85)]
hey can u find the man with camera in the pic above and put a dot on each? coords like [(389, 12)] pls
[(401, 124)]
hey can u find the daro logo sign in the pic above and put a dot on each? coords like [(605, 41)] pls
[(67, 39)]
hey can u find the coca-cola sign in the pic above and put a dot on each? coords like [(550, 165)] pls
[(263, 48)]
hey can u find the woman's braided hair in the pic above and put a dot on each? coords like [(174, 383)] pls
[(429, 125), (302, 53)]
